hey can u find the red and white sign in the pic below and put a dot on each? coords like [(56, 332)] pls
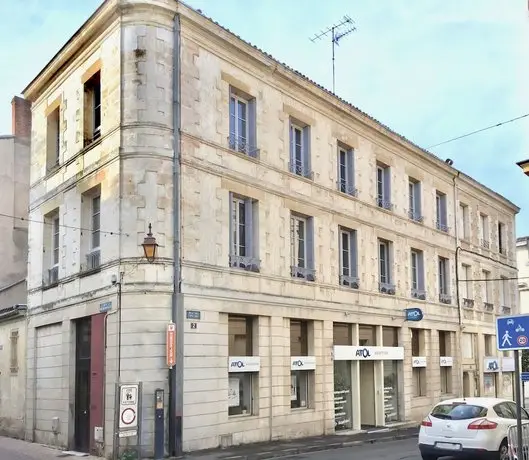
[(170, 347)]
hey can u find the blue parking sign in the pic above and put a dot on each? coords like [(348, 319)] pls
[(512, 332)]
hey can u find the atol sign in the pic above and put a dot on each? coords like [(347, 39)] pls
[(413, 314), (244, 363), (302, 363)]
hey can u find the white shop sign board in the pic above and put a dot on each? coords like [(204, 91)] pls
[(418, 361), (244, 363), (302, 363), (446, 361), (356, 353)]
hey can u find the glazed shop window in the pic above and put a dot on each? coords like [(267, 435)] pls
[(240, 393), (299, 377)]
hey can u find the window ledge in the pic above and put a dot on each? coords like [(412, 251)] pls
[(45, 287), (92, 271), (230, 417), (302, 409)]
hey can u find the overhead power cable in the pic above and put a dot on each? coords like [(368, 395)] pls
[(24, 219), (478, 131)]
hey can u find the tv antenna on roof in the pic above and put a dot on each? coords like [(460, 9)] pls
[(336, 32)]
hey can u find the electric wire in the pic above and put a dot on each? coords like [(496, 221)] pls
[(72, 227), (479, 131)]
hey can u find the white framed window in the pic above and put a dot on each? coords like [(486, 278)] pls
[(444, 282), (464, 221), (441, 212), (466, 284), (384, 187), (299, 379), (502, 247), (346, 179), (484, 224), (467, 345), (417, 274), (504, 291), (300, 149), (92, 109), (385, 275), (348, 258), (95, 240), (55, 242), (414, 198), (13, 339), (53, 138), (486, 287), (243, 252), (302, 247)]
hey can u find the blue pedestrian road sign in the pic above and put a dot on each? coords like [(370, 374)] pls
[(512, 332)]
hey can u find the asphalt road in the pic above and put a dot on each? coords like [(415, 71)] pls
[(395, 450), (13, 449)]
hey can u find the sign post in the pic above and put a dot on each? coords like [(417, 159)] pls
[(512, 333)]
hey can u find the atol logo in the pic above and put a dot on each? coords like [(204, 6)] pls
[(363, 352), (237, 364), (443, 361), (297, 363)]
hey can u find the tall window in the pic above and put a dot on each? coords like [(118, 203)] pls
[(502, 248), (417, 275), (441, 212), (13, 339), (384, 266), (384, 187), (466, 287), (301, 247), (414, 197), (445, 370), (94, 256), (241, 380), (92, 109), (419, 371), (504, 291), (54, 269), (348, 260), (443, 273), (300, 149), (243, 253), (484, 221), (464, 221), (53, 136), (487, 290), (242, 123), (300, 375), (346, 182)]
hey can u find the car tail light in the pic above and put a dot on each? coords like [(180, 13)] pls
[(482, 424), (426, 422)]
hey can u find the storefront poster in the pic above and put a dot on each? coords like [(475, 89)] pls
[(233, 393), (489, 386), (293, 387)]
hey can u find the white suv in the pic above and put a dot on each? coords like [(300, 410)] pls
[(468, 428)]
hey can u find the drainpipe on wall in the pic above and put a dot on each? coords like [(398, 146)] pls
[(176, 373), (458, 300)]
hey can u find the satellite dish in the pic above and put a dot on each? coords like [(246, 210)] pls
[(449, 162)]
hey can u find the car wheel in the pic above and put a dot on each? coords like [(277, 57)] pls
[(503, 451)]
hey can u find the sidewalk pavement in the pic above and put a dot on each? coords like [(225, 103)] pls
[(14, 449), (277, 449)]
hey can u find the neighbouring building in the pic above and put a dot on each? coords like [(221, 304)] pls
[(14, 197), (307, 228), (522, 256)]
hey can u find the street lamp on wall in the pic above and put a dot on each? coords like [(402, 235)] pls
[(150, 246), (525, 166)]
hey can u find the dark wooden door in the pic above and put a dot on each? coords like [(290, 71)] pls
[(82, 384)]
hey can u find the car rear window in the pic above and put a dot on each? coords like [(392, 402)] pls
[(458, 411)]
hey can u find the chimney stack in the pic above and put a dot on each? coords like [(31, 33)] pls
[(21, 117)]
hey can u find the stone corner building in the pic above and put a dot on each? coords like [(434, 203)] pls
[(306, 230)]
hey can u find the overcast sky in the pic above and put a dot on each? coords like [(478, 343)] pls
[(429, 69)]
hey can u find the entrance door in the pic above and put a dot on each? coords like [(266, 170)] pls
[(466, 385), (82, 384), (367, 393)]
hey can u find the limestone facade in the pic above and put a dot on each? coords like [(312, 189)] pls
[(291, 297)]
